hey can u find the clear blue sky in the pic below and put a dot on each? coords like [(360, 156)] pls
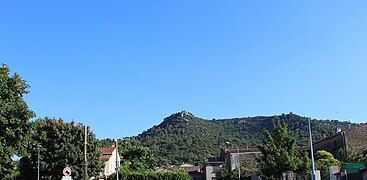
[(122, 66)]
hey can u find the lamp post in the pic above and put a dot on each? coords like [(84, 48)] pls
[(238, 161), (311, 151), (38, 160), (117, 164)]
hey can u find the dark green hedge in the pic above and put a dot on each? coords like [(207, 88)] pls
[(151, 175)]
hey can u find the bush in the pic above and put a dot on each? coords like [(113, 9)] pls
[(151, 175)]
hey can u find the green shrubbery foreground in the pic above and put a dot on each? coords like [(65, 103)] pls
[(151, 175)]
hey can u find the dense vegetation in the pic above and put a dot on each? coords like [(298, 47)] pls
[(135, 158), (138, 163), (59, 144), (14, 120), (151, 175), (62, 145), (280, 153), (323, 160), (182, 137)]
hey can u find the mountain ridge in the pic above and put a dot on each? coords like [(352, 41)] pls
[(183, 137)]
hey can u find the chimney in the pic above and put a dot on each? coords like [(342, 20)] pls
[(349, 124)]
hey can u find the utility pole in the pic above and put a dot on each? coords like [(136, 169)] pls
[(311, 150), (38, 161), (85, 153), (117, 162)]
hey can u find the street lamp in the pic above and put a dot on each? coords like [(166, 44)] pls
[(117, 163), (238, 160), (38, 160)]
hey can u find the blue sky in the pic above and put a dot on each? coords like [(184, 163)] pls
[(122, 66)]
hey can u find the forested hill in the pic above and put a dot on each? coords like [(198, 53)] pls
[(182, 137)]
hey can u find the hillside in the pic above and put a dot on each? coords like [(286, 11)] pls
[(183, 137)]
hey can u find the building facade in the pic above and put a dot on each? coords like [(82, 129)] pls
[(212, 167), (111, 158)]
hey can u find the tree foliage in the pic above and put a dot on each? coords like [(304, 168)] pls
[(226, 174), (135, 158), (249, 166), (151, 175), (137, 162), (62, 146), (354, 156), (323, 160), (14, 117), (280, 153)]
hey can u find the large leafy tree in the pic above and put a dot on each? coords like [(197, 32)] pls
[(323, 160), (280, 152), (14, 117), (135, 158), (62, 146), (226, 174), (137, 162), (354, 155)]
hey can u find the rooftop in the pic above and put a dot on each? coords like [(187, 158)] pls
[(357, 137), (242, 150), (106, 153)]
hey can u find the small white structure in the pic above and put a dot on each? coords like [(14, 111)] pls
[(318, 175), (333, 170)]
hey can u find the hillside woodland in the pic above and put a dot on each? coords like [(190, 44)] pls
[(185, 138)]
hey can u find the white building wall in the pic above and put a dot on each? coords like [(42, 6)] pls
[(110, 165)]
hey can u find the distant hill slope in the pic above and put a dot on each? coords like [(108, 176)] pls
[(182, 137)]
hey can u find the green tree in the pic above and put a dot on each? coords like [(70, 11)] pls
[(135, 158), (280, 152), (225, 174), (323, 160), (249, 165), (62, 146), (136, 161), (354, 155), (14, 173), (151, 175), (14, 119)]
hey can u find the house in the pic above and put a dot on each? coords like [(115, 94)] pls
[(189, 168), (194, 171), (212, 167), (335, 144), (230, 158), (110, 158), (338, 143), (233, 156)]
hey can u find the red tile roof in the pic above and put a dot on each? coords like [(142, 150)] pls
[(106, 153)]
